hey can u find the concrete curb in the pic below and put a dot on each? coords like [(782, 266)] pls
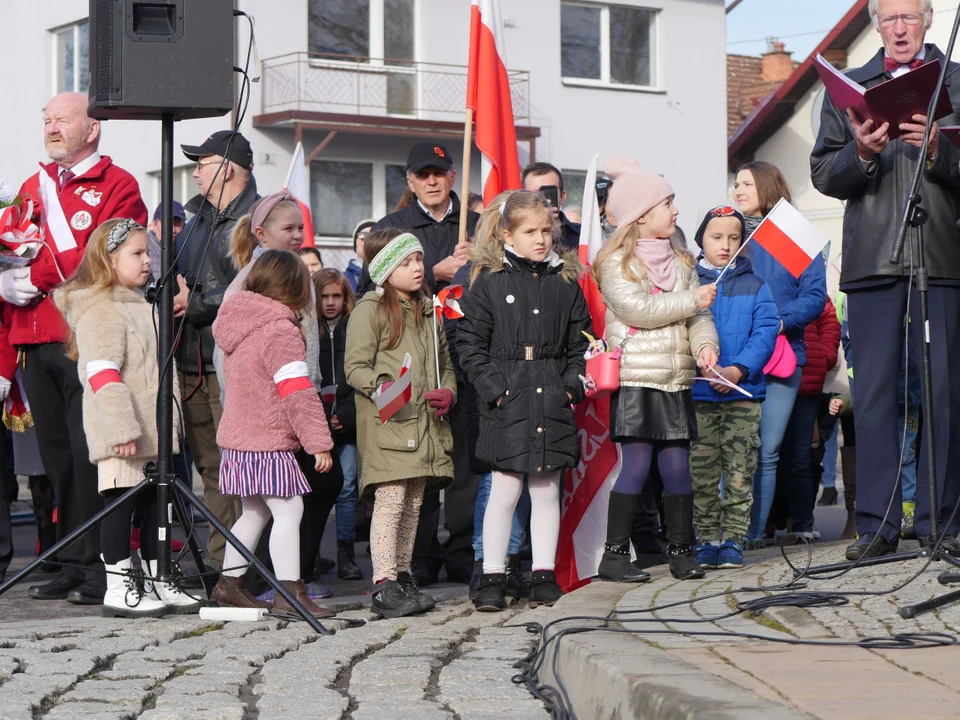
[(609, 675)]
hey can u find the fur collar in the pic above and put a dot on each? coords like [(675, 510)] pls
[(493, 258)]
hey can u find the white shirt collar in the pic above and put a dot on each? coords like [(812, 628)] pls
[(82, 167), (449, 209), (906, 68)]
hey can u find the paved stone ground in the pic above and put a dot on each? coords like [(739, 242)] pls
[(450, 663)]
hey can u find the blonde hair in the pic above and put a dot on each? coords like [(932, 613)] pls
[(517, 206), (243, 241), (95, 272), (631, 267)]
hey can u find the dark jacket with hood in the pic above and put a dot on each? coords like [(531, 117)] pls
[(208, 271), (875, 198), (521, 341), (332, 346)]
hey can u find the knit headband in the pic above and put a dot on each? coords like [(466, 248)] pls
[(120, 232), (266, 207), (389, 259)]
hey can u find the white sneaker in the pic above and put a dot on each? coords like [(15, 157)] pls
[(126, 596), (175, 599)]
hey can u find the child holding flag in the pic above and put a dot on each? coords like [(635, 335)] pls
[(521, 344), (728, 422), (657, 312), (391, 359)]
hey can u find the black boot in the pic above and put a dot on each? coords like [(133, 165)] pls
[(489, 597), (517, 585), (615, 564), (475, 577), (347, 568), (544, 589), (678, 510), (391, 601)]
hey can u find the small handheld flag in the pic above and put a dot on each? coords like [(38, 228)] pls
[(445, 303), (328, 393), (392, 396)]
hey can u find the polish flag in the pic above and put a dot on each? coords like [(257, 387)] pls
[(328, 393), (790, 238), (394, 395), (586, 490), (298, 186), (488, 95)]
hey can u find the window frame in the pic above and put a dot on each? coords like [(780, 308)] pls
[(605, 82), (58, 71), (378, 203)]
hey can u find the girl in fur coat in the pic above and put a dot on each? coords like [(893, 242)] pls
[(522, 343), (114, 342)]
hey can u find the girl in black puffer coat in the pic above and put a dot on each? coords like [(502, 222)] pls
[(521, 344)]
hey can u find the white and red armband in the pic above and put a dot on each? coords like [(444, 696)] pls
[(101, 373), (291, 378)]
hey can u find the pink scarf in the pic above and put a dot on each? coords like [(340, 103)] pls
[(657, 257)]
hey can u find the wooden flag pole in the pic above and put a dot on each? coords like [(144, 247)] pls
[(465, 178)]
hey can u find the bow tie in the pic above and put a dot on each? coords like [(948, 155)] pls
[(890, 65)]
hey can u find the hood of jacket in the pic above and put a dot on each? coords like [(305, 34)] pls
[(74, 305), (244, 314), (495, 258)]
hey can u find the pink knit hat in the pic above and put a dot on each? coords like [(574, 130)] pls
[(635, 191)]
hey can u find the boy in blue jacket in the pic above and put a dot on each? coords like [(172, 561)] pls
[(747, 321)]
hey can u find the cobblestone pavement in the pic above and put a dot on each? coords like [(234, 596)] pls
[(450, 663)]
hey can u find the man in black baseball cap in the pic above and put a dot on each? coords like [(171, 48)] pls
[(224, 162)]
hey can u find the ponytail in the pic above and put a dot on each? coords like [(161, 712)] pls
[(243, 242)]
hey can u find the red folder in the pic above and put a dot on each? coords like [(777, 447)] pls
[(895, 101)]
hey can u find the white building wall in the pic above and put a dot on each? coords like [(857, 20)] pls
[(678, 131)]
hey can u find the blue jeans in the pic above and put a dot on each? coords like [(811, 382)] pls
[(520, 518), (774, 416), (347, 499), (908, 478), (830, 451)]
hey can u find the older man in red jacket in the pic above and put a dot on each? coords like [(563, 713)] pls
[(73, 194)]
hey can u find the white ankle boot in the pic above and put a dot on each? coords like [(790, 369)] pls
[(125, 597), (170, 594)]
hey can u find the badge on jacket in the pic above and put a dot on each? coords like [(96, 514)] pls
[(92, 197), (81, 220)]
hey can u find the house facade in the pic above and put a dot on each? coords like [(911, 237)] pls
[(359, 81)]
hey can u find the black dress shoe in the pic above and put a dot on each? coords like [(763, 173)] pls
[(56, 589), (948, 545), (870, 546), (90, 592)]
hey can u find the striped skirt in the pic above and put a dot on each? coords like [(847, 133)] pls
[(261, 473)]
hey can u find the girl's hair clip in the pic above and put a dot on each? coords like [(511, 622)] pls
[(503, 206)]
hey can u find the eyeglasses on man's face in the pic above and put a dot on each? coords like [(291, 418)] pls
[(888, 21)]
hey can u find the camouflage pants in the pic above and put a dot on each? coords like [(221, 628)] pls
[(728, 448)]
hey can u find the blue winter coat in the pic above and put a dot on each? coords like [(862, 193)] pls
[(799, 302), (747, 321)]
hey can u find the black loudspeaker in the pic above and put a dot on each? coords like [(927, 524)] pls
[(162, 57)]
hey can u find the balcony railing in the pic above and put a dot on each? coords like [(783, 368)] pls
[(350, 85)]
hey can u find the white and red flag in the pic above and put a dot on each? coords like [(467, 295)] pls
[(790, 238), (586, 489), (445, 303), (328, 393), (298, 186), (391, 396), (488, 95)]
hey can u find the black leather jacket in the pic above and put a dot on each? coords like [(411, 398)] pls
[(875, 200), (212, 272)]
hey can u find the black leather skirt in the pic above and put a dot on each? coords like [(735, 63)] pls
[(639, 413)]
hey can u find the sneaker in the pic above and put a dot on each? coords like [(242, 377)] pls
[(707, 556), (318, 592), (730, 555), (410, 587), (753, 543), (389, 600), (907, 531)]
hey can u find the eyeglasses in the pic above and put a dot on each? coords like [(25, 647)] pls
[(888, 21), (202, 163)]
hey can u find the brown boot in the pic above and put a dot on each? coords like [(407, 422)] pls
[(848, 459), (299, 590), (230, 591)]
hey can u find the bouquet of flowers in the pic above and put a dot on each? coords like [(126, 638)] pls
[(20, 239)]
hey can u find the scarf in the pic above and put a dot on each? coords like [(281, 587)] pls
[(704, 263), (657, 257), (752, 222)]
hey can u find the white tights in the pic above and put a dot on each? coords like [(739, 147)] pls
[(505, 491), (284, 536)]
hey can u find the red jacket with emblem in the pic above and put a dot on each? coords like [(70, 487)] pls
[(103, 192), (822, 340)]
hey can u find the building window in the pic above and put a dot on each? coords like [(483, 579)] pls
[(184, 186), (341, 195), (573, 181), (608, 44), (396, 185), (72, 47), (357, 28)]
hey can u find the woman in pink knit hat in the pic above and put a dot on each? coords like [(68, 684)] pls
[(658, 313)]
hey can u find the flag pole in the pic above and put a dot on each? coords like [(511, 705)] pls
[(727, 267), (465, 179), (436, 346)]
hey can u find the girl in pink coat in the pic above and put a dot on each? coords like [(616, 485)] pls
[(271, 410)]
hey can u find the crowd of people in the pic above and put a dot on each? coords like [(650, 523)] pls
[(308, 391)]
